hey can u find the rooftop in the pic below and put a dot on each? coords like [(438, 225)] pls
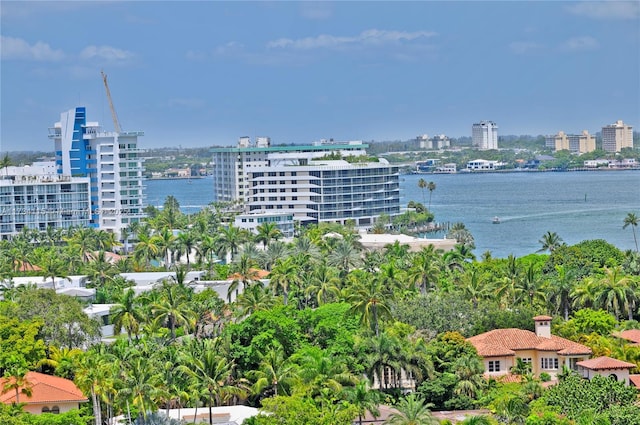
[(45, 389), (632, 335), (604, 363), (505, 342)]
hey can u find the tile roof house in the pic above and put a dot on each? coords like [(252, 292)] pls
[(49, 394), (608, 367), (500, 349), (631, 335)]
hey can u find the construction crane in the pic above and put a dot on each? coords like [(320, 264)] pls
[(116, 124)]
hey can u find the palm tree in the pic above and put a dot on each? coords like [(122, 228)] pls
[(127, 314), (165, 241), (173, 308), (185, 242), (254, 298), (16, 380), (344, 256), (273, 253), (431, 186), (62, 360), (324, 283), (140, 384), (83, 242), (370, 299), (244, 273), (559, 289), (412, 410), (425, 268), (615, 293), (550, 241), (364, 399), (461, 234), (382, 352), (283, 276), (529, 286), (473, 287), (266, 232), (632, 220), (229, 240), (53, 266), (275, 372), (5, 163), (477, 420), (320, 372), (212, 372), (93, 375), (100, 269), (422, 184), (147, 247), (469, 370)]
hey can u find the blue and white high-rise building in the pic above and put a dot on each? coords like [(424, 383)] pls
[(111, 161)]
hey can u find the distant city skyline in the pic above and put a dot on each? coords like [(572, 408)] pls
[(198, 74)]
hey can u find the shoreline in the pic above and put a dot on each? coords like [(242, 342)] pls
[(175, 178), (526, 170)]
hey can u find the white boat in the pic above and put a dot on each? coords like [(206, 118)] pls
[(496, 220)]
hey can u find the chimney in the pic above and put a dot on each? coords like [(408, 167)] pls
[(543, 326)]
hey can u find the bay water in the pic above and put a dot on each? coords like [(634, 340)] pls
[(576, 205)]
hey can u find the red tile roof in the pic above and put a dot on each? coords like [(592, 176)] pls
[(604, 362), (635, 380), (45, 389), (505, 342), (257, 274), (632, 335), (542, 318)]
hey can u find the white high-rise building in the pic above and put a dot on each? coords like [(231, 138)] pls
[(36, 197), (617, 136), (314, 183), (485, 135), (112, 163)]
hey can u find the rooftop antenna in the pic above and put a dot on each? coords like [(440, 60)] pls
[(114, 116)]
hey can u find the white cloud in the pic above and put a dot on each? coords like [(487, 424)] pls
[(17, 48), (368, 37), (315, 10), (522, 47), (105, 52), (229, 48), (581, 43), (607, 9)]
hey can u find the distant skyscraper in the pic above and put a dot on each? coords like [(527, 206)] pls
[(485, 135), (617, 136), (112, 163)]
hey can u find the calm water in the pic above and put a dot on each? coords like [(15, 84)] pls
[(576, 205)]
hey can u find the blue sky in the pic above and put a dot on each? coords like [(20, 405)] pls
[(205, 73)]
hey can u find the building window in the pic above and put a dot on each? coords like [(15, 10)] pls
[(549, 363), (55, 410), (494, 365)]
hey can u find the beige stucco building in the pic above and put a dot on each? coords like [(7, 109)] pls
[(500, 349), (49, 394), (575, 143), (617, 136), (607, 367)]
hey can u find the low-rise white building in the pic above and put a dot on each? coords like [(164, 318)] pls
[(483, 165), (251, 221)]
